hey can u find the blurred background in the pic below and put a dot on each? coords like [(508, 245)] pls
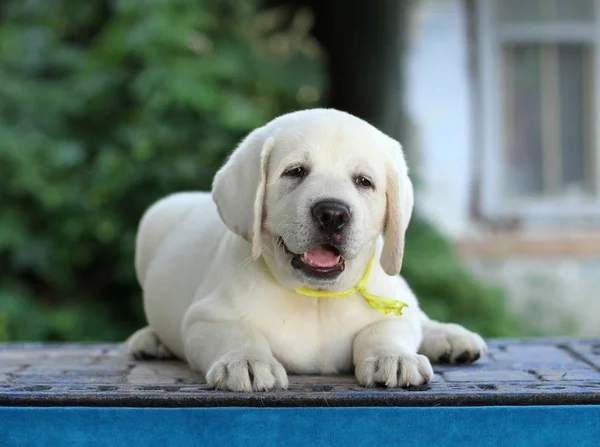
[(108, 105)]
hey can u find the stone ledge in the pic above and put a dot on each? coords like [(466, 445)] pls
[(514, 372)]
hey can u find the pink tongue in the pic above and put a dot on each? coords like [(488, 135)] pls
[(320, 257)]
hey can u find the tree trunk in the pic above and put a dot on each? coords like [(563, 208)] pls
[(364, 42)]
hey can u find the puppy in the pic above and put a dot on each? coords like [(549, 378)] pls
[(285, 268)]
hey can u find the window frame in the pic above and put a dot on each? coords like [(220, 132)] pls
[(490, 119)]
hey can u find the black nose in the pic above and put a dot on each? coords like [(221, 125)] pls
[(331, 215)]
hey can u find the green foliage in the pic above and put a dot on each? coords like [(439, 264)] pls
[(108, 105)]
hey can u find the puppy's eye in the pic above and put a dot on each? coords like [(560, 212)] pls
[(297, 171), (363, 182)]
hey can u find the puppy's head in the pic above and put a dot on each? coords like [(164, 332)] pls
[(312, 192)]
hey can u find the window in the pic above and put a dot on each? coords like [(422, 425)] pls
[(538, 67)]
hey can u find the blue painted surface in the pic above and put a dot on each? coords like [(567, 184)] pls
[(353, 426)]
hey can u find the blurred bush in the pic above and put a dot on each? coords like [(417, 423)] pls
[(105, 106), (108, 105)]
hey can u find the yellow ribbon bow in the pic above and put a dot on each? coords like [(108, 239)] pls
[(379, 303)]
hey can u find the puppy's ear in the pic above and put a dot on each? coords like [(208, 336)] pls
[(239, 188), (399, 194)]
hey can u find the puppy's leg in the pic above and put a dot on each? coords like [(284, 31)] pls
[(145, 344), (385, 353), (449, 343), (234, 356)]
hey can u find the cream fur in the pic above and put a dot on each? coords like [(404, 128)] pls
[(218, 288)]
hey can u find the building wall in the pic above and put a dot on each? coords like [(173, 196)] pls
[(555, 295), (556, 290), (438, 101)]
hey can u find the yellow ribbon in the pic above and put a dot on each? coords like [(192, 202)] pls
[(379, 303)]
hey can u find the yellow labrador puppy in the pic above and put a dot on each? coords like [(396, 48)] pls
[(284, 269)]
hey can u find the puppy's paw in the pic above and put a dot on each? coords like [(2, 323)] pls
[(252, 373), (144, 344), (451, 343), (404, 369)]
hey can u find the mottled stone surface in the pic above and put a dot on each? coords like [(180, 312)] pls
[(514, 372)]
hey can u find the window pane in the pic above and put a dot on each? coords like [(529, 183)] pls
[(574, 61), (547, 110), (518, 10), (522, 121), (576, 10), (515, 11)]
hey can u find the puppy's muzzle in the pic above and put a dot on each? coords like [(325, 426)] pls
[(331, 216)]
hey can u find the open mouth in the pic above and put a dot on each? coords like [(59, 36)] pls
[(322, 261)]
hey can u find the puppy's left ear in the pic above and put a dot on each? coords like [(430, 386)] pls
[(400, 199), (239, 188)]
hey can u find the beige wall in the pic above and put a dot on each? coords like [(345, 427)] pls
[(555, 295)]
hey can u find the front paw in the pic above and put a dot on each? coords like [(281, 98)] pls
[(402, 369), (452, 343), (248, 373)]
